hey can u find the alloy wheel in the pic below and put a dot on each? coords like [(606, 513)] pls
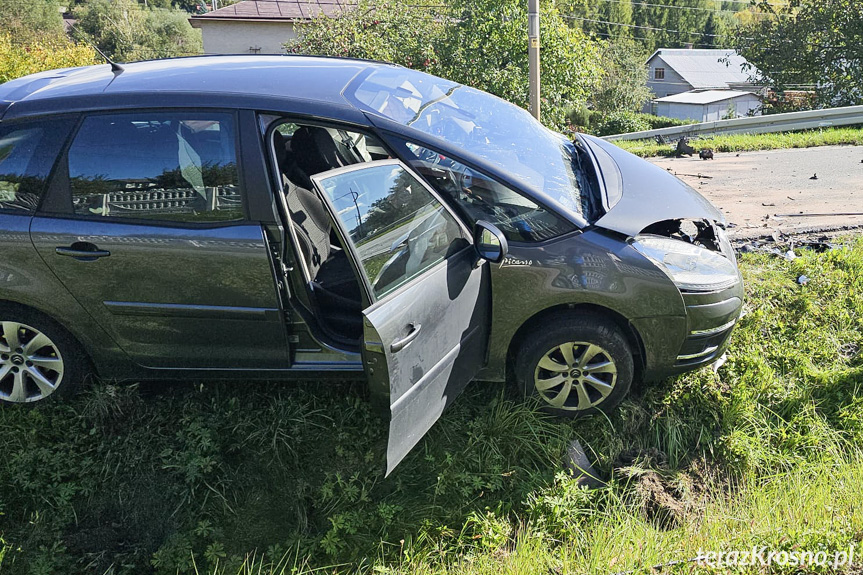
[(31, 367), (575, 376)]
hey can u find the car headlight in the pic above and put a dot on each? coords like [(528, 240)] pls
[(689, 266)]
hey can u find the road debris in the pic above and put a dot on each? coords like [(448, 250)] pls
[(818, 215), (580, 467), (683, 147), (702, 176)]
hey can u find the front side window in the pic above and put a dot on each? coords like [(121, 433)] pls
[(396, 225), (162, 166), (27, 154), (479, 197)]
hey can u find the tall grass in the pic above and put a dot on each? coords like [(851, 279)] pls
[(228, 479), (751, 142)]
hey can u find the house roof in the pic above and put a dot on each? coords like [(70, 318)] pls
[(707, 68), (703, 97), (276, 10)]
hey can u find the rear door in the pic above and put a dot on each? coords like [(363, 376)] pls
[(426, 332), (146, 226)]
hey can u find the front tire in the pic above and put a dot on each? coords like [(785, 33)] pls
[(576, 365), (38, 358)]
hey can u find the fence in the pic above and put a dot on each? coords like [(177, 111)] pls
[(756, 125)]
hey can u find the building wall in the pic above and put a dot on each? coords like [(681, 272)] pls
[(709, 112), (672, 84), (235, 37)]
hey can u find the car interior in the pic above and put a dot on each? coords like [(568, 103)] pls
[(301, 151)]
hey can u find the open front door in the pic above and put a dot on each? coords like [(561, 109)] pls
[(426, 332)]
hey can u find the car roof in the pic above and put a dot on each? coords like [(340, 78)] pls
[(293, 77)]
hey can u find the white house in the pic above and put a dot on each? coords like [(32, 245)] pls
[(259, 26), (678, 71), (708, 105), (681, 70)]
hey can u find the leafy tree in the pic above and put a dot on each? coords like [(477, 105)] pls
[(26, 20), (481, 44), (126, 32), (810, 43), (36, 56), (623, 86)]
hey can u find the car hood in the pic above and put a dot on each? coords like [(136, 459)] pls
[(637, 194)]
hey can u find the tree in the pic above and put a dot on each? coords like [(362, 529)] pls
[(26, 20), (127, 32), (479, 43), (810, 44), (18, 59), (623, 87)]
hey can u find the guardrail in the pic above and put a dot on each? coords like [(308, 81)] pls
[(756, 124)]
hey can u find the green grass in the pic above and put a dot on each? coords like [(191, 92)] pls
[(751, 142), (280, 478)]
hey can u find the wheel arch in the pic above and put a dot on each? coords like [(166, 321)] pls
[(84, 343), (633, 338)]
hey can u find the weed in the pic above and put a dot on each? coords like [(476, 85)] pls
[(228, 479)]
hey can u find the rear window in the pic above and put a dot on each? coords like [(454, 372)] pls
[(27, 154)]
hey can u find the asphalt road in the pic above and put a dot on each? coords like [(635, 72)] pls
[(757, 190)]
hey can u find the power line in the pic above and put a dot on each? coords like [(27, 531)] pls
[(635, 3), (642, 27)]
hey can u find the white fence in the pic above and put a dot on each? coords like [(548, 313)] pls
[(756, 125)]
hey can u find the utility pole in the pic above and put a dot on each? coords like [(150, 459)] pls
[(533, 54)]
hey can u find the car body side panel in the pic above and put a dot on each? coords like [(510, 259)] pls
[(26, 280), (582, 268), (174, 297)]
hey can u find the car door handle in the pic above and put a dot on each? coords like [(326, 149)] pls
[(84, 251), (402, 343)]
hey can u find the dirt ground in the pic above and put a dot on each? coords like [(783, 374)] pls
[(774, 191)]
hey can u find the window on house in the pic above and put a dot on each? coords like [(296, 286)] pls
[(659, 73)]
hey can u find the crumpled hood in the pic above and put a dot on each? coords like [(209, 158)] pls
[(637, 193)]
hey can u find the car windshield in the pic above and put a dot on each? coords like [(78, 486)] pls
[(502, 133)]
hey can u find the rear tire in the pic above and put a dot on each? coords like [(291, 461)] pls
[(576, 365), (39, 360)]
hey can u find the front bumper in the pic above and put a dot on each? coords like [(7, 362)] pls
[(696, 340), (710, 319)]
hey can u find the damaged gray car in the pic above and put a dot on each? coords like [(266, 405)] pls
[(265, 217)]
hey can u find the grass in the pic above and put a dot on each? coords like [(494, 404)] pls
[(752, 142), (281, 479)]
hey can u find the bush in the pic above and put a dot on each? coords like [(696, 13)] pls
[(579, 117), (619, 123), (625, 122), (18, 60), (127, 32)]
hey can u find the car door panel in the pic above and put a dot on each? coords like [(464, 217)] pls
[(173, 297), (426, 332), (449, 308)]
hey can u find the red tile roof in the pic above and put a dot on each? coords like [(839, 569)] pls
[(277, 10)]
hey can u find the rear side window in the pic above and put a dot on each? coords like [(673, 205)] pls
[(160, 166), (27, 154)]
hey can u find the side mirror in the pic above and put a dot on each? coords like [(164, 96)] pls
[(490, 243)]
